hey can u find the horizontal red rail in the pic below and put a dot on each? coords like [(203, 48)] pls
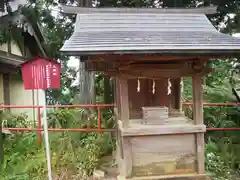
[(214, 104), (61, 129), (223, 129), (108, 105), (98, 129), (61, 106), (39, 129)]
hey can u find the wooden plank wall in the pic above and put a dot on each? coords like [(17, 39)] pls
[(163, 155)]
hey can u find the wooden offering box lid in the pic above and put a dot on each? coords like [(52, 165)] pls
[(154, 113)]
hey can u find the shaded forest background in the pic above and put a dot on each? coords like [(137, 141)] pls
[(76, 155)]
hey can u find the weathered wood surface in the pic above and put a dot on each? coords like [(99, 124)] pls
[(152, 113), (147, 57), (159, 73), (148, 66), (123, 100), (86, 93), (176, 113), (198, 119), (163, 155), (170, 177), (136, 128)]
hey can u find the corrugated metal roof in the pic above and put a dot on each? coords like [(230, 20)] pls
[(97, 33)]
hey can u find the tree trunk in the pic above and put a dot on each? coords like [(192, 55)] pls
[(87, 85), (86, 78)]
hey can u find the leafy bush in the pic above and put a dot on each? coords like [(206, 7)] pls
[(73, 153), (221, 159)]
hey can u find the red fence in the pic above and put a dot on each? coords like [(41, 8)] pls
[(39, 129)]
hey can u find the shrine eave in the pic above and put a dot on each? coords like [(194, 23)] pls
[(152, 33), (214, 53)]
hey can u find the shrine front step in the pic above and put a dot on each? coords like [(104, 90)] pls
[(173, 177)]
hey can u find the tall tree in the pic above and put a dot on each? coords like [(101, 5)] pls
[(57, 27)]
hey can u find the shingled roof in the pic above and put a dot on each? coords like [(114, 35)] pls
[(135, 32)]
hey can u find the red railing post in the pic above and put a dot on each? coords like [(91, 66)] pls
[(99, 119), (39, 124)]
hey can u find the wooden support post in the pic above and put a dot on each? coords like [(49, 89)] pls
[(181, 94), (178, 94), (125, 159), (198, 119), (124, 103)]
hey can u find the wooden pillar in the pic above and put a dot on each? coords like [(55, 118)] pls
[(198, 119), (177, 94), (123, 100), (124, 143), (181, 93)]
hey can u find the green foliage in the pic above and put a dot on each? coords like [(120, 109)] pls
[(222, 148), (4, 35), (79, 153), (221, 159)]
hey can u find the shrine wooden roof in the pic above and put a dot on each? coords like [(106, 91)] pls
[(124, 31)]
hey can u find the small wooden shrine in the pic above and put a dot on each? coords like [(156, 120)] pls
[(148, 51)]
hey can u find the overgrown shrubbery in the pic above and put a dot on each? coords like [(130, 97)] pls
[(74, 154), (222, 159), (222, 150)]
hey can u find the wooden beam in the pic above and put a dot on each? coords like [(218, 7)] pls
[(113, 66), (159, 67), (143, 130), (153, 66), (198, 119), (160, 73), (132, 57)]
